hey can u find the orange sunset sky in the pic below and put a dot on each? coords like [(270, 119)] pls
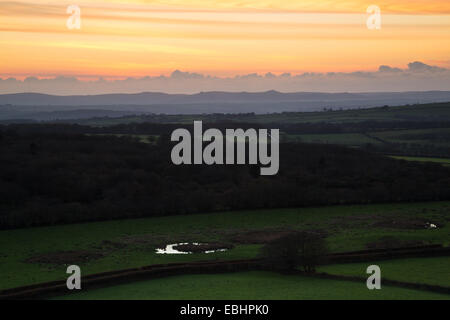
[(137, 38)]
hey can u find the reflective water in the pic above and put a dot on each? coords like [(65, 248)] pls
[(169, 249)]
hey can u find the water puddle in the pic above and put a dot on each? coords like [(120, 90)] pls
[(172, 248)]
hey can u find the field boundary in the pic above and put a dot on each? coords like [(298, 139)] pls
[(384, 281), (436, 250), (47, 289)]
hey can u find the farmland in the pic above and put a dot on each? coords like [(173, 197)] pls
[(251, 286), (420, 112), (411, 130), (443, 161), (130, 243), (434, 271)]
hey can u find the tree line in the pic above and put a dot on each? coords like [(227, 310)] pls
[(49, 178)]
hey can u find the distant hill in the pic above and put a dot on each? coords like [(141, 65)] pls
[(152, 98), (37, 106)]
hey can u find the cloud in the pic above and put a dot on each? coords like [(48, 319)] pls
[(177, 74), (418, 76), (389, 69), (418, 66)]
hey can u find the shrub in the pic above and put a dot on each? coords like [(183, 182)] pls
[(302, 249)]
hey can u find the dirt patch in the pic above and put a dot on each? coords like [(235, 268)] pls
[(264, 236), (354, 221), (145, 241), (108, 244), (399, 221), (202, 247), (139, 239), (259, 236), (153, 240), (392, 242), (65, 257), (406, 223)]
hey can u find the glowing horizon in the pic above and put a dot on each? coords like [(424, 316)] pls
[(137, 38)]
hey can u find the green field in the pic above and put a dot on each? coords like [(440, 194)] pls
[(436, 136), (131, 243), (250, 286), (350, 139), (429, 112), (400, 136), (445, 162), (144, 138), (434, 271), (421, 112)]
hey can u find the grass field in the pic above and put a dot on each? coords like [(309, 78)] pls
[(434, 271), (250, 286), (443, 161), (431, 112), (428, 137), (436, 136), (350, 139), (421, 112), (432, 142), (131, 243), (144, 138)]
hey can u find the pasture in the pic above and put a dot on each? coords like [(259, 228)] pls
[(250, 286), (33, 255), (433, 271)]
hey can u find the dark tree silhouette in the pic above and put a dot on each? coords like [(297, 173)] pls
[(303, 250)]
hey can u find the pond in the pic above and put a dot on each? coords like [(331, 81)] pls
[(189, 248)]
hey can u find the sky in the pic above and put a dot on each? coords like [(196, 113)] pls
[(122, 39)]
